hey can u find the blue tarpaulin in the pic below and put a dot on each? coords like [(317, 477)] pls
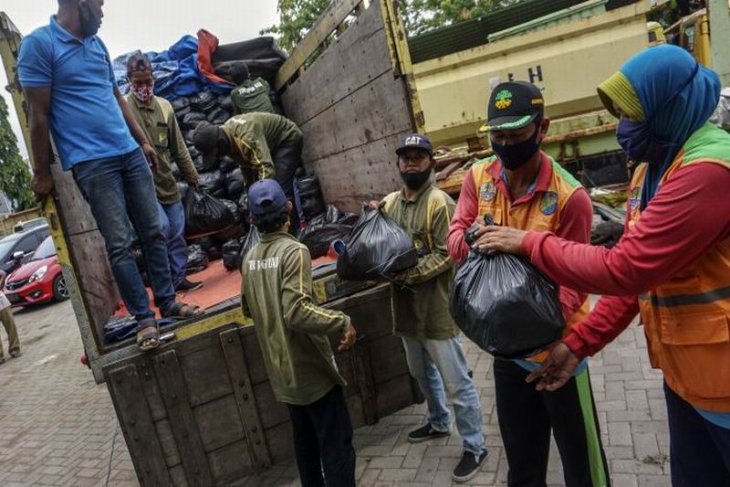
[(175, 71)]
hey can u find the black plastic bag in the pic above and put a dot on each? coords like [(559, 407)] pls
[(234, 183), (377, 249), (201, 165), (176, 173), (215, 116), (226, 164), (210, 181), (204, 101), (231, 250), (183, 111), (505, 305), (193, 151), (225, 102), (214, 253), (197, 259), (233, 207), (192, 119), (204, 214), (319, 237), (180, 103)]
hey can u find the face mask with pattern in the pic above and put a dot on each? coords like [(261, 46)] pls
[(143, 93)]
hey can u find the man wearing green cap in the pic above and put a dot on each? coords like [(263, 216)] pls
[(266, 145), (523, 187)]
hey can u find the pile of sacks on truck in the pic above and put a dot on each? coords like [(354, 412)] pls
[(205, 82)]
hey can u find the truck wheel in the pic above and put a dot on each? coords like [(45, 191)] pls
[(60, 290)]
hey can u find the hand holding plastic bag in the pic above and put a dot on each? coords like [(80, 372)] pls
[(505, 305), (204, 214), (377, 249)]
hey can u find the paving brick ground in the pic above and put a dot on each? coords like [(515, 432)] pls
[(58, 428)]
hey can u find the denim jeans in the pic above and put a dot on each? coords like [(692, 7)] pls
[(120, 190), (439, 367), (172, 218)]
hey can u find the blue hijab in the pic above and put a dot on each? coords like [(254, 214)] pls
[(677, 97)]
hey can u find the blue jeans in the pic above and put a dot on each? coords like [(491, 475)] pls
[(699, 450), (172, 218), (438, 363), (120, 190)]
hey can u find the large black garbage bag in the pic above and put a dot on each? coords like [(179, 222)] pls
[(191, 120), (180, 103), (218, 116), (226, 164), (204, 214), (505, 305), (234, 183), (233, 207), (204, 101), (201, 165), (210, 181), (231, 249), (324, 229), (377, 249), (197, 259)]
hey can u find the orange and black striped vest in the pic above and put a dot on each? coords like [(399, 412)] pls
[(687, 319)]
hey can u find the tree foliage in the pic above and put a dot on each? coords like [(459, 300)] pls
[(296, 17), (14, 172)]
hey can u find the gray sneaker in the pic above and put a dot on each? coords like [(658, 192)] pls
[(468, 467), (425, 433)]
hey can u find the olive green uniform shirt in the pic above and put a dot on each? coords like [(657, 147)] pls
[(157, 121), (291, 329), (253, 136), (420, 296)]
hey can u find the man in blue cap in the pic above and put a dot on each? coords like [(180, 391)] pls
[(420, 302), (293, 334)]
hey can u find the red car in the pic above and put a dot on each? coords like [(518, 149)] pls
[(39, 280)]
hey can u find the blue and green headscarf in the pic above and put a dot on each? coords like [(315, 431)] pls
[(665, 88)]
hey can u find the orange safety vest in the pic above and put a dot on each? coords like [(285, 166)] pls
[(542, 212), (687, 319)]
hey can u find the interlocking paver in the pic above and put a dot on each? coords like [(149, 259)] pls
[(59, 428)]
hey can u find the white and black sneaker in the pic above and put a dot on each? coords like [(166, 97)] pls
[(468, 466), (425, 433)]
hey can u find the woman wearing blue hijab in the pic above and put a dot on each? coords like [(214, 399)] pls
[(672, 265)]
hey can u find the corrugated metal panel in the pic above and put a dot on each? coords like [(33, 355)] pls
[(474, 32)]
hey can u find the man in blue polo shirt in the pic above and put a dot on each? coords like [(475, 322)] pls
[(67, 78)]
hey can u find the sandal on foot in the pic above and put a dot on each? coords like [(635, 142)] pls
[(148, 334), (182, 311)]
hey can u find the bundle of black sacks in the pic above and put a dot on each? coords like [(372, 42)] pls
[(223, 180)]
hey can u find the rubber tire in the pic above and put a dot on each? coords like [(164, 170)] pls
[(57, 296)]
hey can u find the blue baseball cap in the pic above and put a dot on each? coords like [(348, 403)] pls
[(415, 141), (265, 197)]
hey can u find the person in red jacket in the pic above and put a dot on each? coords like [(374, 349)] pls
[(673, 263)]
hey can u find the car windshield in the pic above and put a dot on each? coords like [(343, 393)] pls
[(6, 246), (44, 250)]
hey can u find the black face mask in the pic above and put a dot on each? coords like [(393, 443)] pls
[(90, 22), (516, 155), (415, 180)]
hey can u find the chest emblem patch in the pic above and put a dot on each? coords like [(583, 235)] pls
[(549, 203), (488, 191)]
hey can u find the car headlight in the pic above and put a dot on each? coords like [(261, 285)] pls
[(38, 274)]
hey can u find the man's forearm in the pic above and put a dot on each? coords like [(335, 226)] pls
[(40, 143)]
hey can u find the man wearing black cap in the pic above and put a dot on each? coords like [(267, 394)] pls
[(293, 334), (420, 302), (522, 187), (266, 145)]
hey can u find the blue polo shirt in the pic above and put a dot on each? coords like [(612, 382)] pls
[(86, 121)]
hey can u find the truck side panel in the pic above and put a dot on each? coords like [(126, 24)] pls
[(353, 104)]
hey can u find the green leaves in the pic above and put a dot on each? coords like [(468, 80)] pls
[(14, 172), (296, 17)]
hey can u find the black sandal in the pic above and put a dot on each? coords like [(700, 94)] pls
[(148, 334), (182, 311)]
